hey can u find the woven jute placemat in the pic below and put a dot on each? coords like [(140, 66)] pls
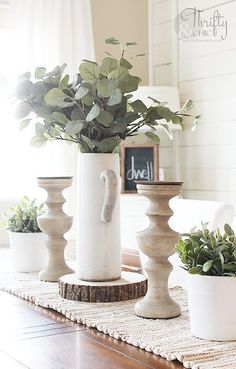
[(170, 338)]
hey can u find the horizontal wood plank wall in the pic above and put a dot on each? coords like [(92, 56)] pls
[(207, 74)]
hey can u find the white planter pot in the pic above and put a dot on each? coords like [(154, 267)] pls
[(28, 251), (212, 306), (99, 251)]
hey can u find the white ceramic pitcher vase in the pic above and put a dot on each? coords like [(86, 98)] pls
[(99, 251)]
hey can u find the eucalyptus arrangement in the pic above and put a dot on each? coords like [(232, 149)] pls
[(23, 217), (94, 111), (209, 253)]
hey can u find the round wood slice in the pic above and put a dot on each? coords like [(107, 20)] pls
[(129, 286)]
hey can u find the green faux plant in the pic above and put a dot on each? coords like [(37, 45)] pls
[(208, 253), (95, 110), (23, 217)]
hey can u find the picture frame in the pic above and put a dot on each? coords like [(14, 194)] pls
[(138, 162)]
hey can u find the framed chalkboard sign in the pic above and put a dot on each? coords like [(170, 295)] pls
[(138, 162)]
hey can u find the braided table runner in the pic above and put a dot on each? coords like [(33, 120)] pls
[(168, 338)]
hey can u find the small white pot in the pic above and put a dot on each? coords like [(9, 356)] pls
[(99, 249), (28, 251), (212, 307)]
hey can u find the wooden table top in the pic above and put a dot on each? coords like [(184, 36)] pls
[(32, 337)]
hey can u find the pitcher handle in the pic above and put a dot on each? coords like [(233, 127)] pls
[(111, 187)]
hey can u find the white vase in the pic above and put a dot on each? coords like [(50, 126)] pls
[(28, 251), (212, 306), (99, 251)]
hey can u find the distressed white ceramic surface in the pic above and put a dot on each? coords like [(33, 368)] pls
[(212, 307), (28, 251), (98, 251)]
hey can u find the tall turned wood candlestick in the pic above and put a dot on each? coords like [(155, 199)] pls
[(158, 242), (55, 223)]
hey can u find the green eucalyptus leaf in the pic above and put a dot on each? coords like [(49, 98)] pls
[(154, 100), (131, 43), (74, 127), (115, 98), (24, 89), (39, 90), (22, 110), (81, 92), (188, 105), (39, 141), (138, 106), (59, 117), (176, 119), (107, 87), (63, 84), (118, 127), (55, 72), (54, 131), (138, 55), (39, 129), (153, 136), (153, 114), (86, 144), (167, 130), (93, 113), (108, 144), (125, 63), (131, 117), (63, 67), (66, 104), (40, 72), (129, 83), (89, 72), (88, 99), (89, 61), (165, 112), (112, 41), (108, 54), (77, 114), (25, 75), (105, 118), (55, 97), (119, 73), (24, 123), (108, 65), (195, 123)]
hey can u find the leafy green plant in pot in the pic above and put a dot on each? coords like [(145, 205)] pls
[(209, 257), (95, 112), (27, 242)]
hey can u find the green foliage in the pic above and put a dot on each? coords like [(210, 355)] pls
[(209, 253), (23, 217), (94, 110)]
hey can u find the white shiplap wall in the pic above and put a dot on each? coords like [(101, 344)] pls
[(206, 73), (162, 70)]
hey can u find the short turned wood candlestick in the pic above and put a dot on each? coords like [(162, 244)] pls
[(55, 223), (158, 242)]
